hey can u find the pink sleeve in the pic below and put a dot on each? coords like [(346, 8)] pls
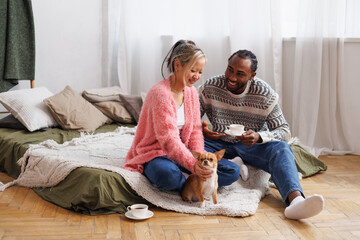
[(163, 109), (196, 141)]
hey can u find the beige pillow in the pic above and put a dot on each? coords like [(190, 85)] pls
[(103, 94), (115, 110), (73, 112)]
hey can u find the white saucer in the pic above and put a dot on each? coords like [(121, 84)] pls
[(227, 131), (149, 214)]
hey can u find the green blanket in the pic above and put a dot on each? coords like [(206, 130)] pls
[(306, 163), (85, 190), (17, 42), (92, 192), (14, 143)]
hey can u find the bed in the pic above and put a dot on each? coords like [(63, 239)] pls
[(85, 190), (89, 190)]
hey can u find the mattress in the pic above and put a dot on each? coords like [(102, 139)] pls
[(85, 190)]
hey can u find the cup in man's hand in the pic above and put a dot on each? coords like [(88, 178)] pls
[(236, 129)]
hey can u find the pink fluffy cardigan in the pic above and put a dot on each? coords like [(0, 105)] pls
[(157, 133)]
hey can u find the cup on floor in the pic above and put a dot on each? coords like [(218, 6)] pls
[(138, 210)]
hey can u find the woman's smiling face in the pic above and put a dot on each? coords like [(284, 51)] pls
[(195, 72)]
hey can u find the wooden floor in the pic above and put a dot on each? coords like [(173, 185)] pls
[(24, 215)]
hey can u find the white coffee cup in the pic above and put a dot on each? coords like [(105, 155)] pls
[(138, 210), (236, 129)]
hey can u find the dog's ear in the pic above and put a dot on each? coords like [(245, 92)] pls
[(196, 154), (219, 154)]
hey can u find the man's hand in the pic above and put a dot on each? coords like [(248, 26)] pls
[(249, 138), (201, 171), (210, 134)]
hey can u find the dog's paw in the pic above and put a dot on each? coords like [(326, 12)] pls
[(187, 200)]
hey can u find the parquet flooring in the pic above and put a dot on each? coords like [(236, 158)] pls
[(24, 215)]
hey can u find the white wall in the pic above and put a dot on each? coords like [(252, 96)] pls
[(68, 45)]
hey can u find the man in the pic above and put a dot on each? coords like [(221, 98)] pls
[(238, 97)]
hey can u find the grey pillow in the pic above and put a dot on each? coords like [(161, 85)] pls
[(103, 94), (11, 122), (133, 105)]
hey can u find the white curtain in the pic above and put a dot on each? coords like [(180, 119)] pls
[(110, 42), (256, 25), (319, 112), (145, 30), (149, 28)]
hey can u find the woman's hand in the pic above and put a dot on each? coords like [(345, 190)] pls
[(249, 138), (201, 171), (210, 134)]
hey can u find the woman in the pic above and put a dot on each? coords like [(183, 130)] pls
[(169, 126)]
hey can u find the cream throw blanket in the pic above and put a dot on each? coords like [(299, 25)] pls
[(48, 163)]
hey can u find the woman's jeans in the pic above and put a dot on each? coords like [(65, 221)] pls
[(167, 175), (275, 157)]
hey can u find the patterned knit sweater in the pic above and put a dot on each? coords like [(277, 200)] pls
[(256, 108)]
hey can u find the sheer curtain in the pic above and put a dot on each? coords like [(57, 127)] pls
[(145, 30), (110, 42), (149, 28), (318, 111)]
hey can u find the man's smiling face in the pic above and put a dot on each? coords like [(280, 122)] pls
[(237, 74)]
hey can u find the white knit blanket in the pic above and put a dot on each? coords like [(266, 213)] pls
[(48, 163)]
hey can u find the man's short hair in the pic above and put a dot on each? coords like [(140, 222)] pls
[(246, 54)]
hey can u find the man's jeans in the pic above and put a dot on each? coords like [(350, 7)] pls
[(166, 175), (275, 157)]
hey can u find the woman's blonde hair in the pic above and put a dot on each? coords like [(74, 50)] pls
[(186, 52)]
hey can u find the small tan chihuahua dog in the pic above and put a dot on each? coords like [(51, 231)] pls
[(195, 188)]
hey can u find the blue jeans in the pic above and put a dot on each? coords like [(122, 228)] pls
[(167, 175), (275, 157)]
